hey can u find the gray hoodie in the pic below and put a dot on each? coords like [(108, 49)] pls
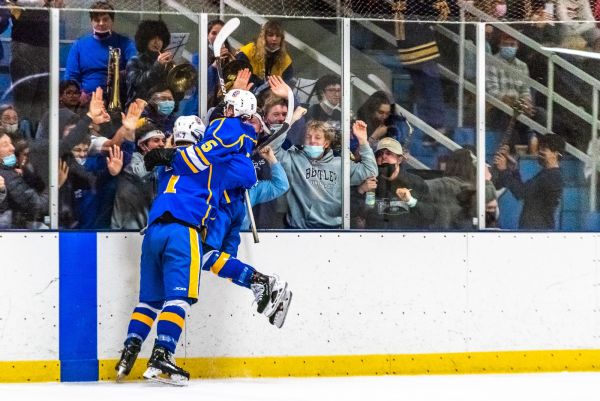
[(315, 195)]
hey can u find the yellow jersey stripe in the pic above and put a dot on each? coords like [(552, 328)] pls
[(201, 155), (189, 164), (209, 196), (220, 262), (226, 195), (173, 318), (140, 317), (194, 264)]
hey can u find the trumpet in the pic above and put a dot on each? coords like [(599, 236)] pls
[(113, 81)]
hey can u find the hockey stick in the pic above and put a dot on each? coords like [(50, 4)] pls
[(224, 33)]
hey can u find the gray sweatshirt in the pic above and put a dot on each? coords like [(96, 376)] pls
[(315, 195)]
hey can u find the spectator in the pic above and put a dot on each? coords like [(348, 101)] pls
[(214, 27), (268, 55), (541, 194), (87, 62), (379, 114), (459, 173), (9, 118), (329, 93), (136, 185), (212, 88), (92, 186), (150, 66), (508, 84), (401, 199), (27, 204), (70, 93), (315, 195), (69, 112), (162, 108), (30, 57)]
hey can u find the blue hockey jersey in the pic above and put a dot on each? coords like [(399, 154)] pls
[(199, 174)]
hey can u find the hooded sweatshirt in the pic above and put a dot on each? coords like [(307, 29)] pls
[(315, 195)]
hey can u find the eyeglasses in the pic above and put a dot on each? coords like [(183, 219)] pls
[(333, 90)]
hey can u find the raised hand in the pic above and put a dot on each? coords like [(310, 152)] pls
[(97, 111), (63, 173), (134, 113), (359, 128), (242, 81), (165, 58), (278, 86), (268, 154), (114, 161)]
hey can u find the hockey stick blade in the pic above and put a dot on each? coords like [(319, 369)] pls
[(224, 33)]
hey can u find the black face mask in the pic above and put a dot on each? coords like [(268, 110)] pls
[(490, 219), (386, 169)]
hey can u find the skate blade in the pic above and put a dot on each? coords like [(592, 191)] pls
[(280, 315), (154, 375), (121, 376), (272, 306)]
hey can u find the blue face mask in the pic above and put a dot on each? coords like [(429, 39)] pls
[(313, 151), (508, 52), (9, 161), (166, 107)]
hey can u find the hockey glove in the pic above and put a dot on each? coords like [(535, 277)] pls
[(159, 157)]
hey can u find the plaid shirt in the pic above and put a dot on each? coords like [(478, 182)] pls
[(502, 82)]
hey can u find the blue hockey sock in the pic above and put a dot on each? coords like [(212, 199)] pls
[(142, 319), (227, 266), (171, 322)]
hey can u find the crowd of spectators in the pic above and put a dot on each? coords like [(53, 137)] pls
[(104, 183)]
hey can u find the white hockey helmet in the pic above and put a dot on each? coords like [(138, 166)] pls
[(242, 101), (188, 129)]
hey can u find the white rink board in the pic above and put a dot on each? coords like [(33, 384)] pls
[(29, 296), (373, 293)]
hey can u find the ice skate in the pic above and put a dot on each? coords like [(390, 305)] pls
[(128, 356), (268, 292), (278, 318), (162, 369)]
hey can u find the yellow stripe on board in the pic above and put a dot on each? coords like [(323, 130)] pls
[(372, 365), (194, 264), (29, 371)]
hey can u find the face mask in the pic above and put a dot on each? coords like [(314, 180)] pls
[(102, 35), (331, 106), (273, 50), (275, 127), (313, 151), (386, 169), (508, 52), (490, 219), (11, 128), (166, 107), (80, 160), (500, 10), (9, 161)]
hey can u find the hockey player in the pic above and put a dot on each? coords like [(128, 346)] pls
[(172, 252), (223, 239)]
